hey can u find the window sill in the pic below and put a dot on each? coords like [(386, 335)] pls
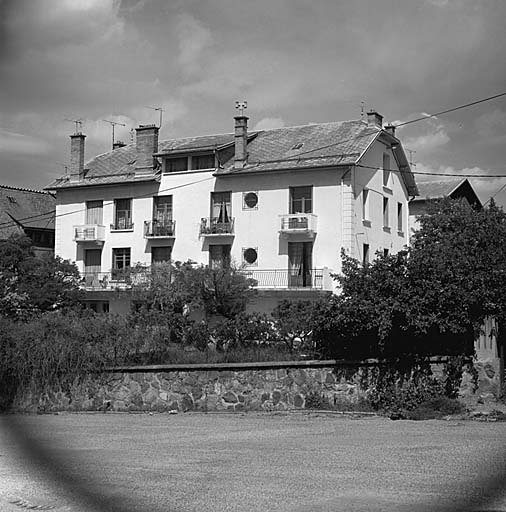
[(366, 223), (400, 233), (126, 230), (190, 171), (387, 190), (387, 229)]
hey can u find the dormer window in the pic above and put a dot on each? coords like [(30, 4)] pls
[(176, 164), (203, 161)]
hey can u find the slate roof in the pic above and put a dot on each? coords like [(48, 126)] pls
[(322, 145), (447, 187), (23, 208), (296, 147)]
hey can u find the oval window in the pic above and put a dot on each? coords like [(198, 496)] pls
[(250, 256), (250, 200)]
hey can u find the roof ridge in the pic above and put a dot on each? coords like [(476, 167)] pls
[(23, 189)]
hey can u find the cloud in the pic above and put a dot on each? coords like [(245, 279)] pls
[(194, 40), (17, 143), (428, 141), (491, 126), (269, 123)]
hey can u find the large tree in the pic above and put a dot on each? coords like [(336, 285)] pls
[(31, 284), (430, 299)]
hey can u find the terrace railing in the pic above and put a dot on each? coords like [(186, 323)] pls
[(159, 229), (286, 279), (89, 233), (216, 226)]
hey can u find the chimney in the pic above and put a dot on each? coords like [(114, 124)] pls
[(77, 156), (374, 119), (146, 144), (118, 144), (390, 129), (241, 141)]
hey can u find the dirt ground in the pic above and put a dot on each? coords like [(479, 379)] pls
[(249, 462)]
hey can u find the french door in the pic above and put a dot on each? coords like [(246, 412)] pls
[(300, 262)]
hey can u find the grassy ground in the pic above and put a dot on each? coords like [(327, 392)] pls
[(251, 462)]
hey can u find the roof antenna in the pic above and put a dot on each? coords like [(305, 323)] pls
[(160, 109), (241, 105), (113, 124), (78, 123), (411, 153), (362, 106)]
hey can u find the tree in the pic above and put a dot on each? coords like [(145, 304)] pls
[(30, 285)]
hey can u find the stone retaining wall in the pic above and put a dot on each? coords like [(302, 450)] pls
[(222, 387), (252, 390)]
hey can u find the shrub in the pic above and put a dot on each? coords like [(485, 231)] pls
[(435, 408)]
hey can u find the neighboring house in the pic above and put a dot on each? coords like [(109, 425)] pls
[(280, 204), (29, 212), (455, 188)]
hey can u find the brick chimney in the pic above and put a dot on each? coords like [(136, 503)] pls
[(374, 119), (146, 144), (241, 141), (77, 156), (390, 129)]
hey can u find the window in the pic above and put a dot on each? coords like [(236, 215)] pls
[(386, 169), (221, 207), (219, 256), (385, 212), (250, 201), (120, 262), (162, 209), (123, 214), (250, 256), (365, 254), (161, 254), (365, 204), (300, 264), (176, 164), (203, 162), (399, 218), (301, 199), (94, 212), (386, 252)]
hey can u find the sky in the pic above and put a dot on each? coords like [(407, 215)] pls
[(294, 62)]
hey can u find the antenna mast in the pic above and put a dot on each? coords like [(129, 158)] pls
[(113, 124), (161, 110), (78, 123)]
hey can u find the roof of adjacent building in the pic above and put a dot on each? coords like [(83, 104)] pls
[(297, 147), (23, 208), (454, 187)]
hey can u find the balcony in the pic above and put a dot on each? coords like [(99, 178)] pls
[(122, 225), (286, 279), (159, 229), (211, 226), (298, 223), (116, 279), (89, 233)]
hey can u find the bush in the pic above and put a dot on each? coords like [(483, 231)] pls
[(435, 408)]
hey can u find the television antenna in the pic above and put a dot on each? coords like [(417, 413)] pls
[(78, 123), (411, 153), (161, 110), (241, 105), (113, 124)]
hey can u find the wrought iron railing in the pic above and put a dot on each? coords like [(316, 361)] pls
[(159, 229), (122, 224), (116, 278), (278, 278), (216, 226)]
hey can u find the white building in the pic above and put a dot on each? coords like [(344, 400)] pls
[(279, 203)]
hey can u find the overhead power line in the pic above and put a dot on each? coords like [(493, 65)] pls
[(428, 116)]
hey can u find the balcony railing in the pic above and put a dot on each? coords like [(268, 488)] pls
[(89, 233), (215, 226), (159, 229), (123, 278), (298, 223), (122, 225), (284, 279)]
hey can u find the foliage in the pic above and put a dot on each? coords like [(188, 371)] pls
[(294, 322), (30, 285), (435, 408)]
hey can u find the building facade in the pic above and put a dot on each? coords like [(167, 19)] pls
[(279, 204)]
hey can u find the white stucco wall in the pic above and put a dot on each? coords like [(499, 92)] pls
[(373, 232)]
